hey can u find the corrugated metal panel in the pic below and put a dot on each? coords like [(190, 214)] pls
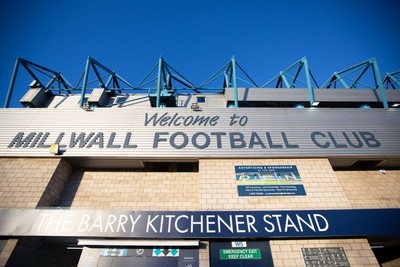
[(347, 95), (268, 94), (393, 95), (301, 95), (244, 94), (296, 125)]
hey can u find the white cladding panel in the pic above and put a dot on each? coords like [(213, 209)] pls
[(320, 94), (229, 133)]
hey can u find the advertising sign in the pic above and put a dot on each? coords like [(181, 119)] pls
[(270, 180)]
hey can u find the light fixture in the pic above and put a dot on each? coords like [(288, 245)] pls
[(315, 104), (396, 105), (86, 107), (34, 84), (299, 105), (195, 106), (365, 106), (55, 149)]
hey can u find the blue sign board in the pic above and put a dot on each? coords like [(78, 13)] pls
[(269, 180), (199, 224)]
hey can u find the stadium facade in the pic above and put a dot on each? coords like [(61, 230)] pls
[(242, 177)]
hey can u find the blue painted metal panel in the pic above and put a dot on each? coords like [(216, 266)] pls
[(201, 224)]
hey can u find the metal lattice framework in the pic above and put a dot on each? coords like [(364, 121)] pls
[(163, 83), (163, 76), (392, 80), (288, 79), (230, 78), (345, 78), (110, 80), (38, 74)]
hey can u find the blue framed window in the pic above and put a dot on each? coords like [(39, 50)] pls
[(201, 99)]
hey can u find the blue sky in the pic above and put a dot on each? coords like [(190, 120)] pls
[(196, 37)]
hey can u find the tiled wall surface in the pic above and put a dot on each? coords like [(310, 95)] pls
[(218, 189), (24, 180), (32, 182), (371, 189), (132, 190), (7, 250)]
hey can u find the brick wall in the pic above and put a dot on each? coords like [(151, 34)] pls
[(204, 255), (28, 183), (132, 190), (218, 189), (393, 263), (24, 180), (371, 189), (7, 250), (55, 187)]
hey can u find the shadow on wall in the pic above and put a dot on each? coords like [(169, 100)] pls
[(71, 187), (43, 252)]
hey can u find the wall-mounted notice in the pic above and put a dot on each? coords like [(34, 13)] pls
[(269, 180), (247, 253), (334, 256)]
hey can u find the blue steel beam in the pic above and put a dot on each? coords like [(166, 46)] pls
[(378, 80), (160, 63), (308, 74), (282, 78), (12, 83), (46, 71), (229, 72), (85, 77), (293, 84), (253, 83), (164, 78), (363, 66), (95, 65), (342, 75), (391, 80), (215, 76), (31, 67), (143, 82), (234, 82)]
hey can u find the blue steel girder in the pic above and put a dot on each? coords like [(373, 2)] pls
[(362, 68), (31, 68), (229, 72), (111, 76), (345, 75), (285, 80), (165, 76), (391, 80)]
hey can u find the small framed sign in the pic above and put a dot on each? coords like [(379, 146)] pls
[(269, 180), (333, 256)]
